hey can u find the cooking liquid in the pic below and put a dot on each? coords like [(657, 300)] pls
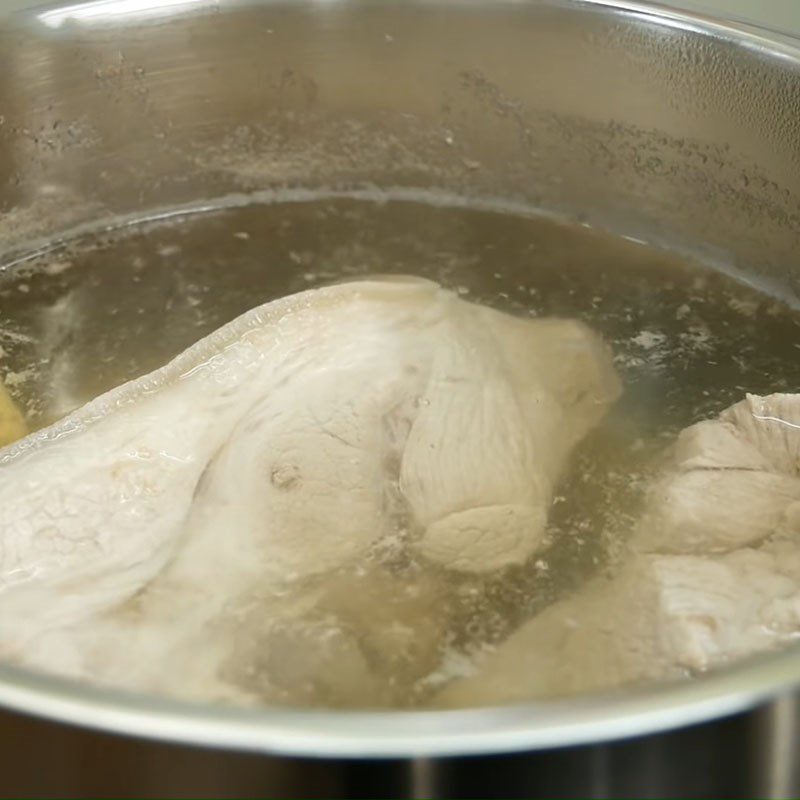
[(101, 308)]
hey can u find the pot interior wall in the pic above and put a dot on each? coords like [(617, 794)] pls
[(617, 119)]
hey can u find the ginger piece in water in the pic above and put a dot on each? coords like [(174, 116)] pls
[(12, 422)]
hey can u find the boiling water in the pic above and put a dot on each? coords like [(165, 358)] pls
[(100, 308)]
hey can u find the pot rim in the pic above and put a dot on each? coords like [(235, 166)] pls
[(544, 724), (541, 725)]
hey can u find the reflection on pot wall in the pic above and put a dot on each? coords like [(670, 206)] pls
[(731, 759)]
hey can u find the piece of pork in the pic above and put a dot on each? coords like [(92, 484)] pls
[(729, 482), (693, 596), (502, 410), (658, 617), (281, 448)]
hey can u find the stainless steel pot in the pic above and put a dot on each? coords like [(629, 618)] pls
[(675, 129)]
